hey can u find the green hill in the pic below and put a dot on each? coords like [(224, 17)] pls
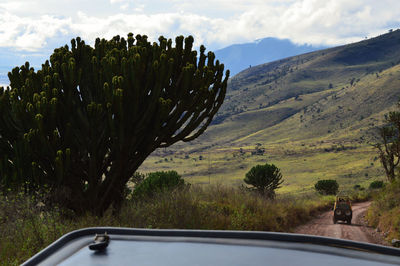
[(324, 105)]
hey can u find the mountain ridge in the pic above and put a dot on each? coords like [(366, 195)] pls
[(238, 57), (314, 115), (265, 95)]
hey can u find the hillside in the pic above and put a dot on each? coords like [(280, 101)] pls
[(301, 106), (238, 57)]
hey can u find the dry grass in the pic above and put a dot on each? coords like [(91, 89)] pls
[(384, 212), (26, 228)]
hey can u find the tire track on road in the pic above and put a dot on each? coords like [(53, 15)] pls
[(323, 226)]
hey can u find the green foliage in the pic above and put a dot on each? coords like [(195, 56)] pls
[(389, 148), (86, 120), (385, 209), (265, 179), (376, 184), (359, 195), (327, 187), (157, 182)]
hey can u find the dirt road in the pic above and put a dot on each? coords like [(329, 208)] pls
[(358, 230)]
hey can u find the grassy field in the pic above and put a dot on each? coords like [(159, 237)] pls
[(26, 227), (302, 165)]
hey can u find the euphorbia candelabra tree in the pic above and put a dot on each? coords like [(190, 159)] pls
[(86, 121)]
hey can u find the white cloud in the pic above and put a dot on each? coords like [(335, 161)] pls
[(30, 34), (214, 23)]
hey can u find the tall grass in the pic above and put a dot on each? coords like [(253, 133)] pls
[(384, 212), (26, 226)]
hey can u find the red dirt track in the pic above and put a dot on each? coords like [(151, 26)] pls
[(358, 231)]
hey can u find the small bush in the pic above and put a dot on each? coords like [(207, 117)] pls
[(327, 187), (358, 187), (376, 184), (359, 195), (157, 182)]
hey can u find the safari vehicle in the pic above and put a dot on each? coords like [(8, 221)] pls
[(130, 246), (342, 209)]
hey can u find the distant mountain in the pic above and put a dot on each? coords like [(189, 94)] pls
[(238, 57)]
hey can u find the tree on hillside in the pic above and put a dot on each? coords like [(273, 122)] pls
[(85, 122), (264, 179), (389, 149)]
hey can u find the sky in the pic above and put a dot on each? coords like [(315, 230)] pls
[(31, 29)]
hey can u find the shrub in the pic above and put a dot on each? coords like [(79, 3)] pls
[(264, 179), (157, 182), (137, 178), (376, 184), (358, 187), (327, 187)]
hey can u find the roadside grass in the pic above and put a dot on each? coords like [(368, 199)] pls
[(384, 212), (27, 227)]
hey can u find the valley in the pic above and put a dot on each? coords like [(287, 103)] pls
[(315, 115)]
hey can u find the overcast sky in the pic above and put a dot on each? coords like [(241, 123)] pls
[(29, 26)]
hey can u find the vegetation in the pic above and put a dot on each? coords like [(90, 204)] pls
[(376, 184), (327, 187), (385, 210), (157, 182), (264, 179), (137, 178), (389, 149), (86, 121), (301, 166), (26, 226), (384, 213)]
